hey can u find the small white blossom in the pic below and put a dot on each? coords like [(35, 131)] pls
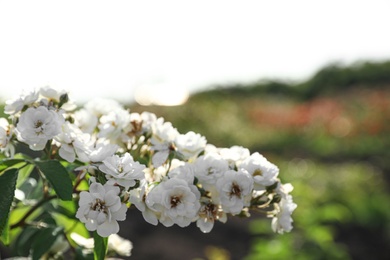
[(234, 155), (122, 170), (264, 172), (119, 245), (112, 124), (102, 150), (209, 168), (115, 244), (208, 214), (85, 120), (102, 106), (38, 125), (175, 202), (51, 94), (235, 190), (182, 170), (282, 221), (162, 140), (15, 105), (148, 119), (138, 198), (74, 143), (101, 208), (190, 145), (6, 131)]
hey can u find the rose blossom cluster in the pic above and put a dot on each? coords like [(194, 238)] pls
[(142, 160)]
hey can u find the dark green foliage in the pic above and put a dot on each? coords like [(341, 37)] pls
[(7, 188), (58, 177)]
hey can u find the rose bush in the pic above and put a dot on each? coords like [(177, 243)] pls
[(70, 173)]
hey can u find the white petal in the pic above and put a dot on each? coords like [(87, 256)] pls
[(120, 214), (108, 228), (85, 198), (97, 190), (160, 157), (112, 201), (101, 218), (67, 154), (150, 217), (204, 225), (91, 225)]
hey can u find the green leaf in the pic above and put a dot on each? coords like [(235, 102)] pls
[(5, 235), (24, 173), (58, 178), (24, 240), (5, 163), (100, 248), (7, 188), (45, 238)]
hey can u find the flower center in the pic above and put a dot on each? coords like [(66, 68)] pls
[(257, 172), (120, 168), (210, 211), (99, 206), (38, 125), (235, 190), (210, 171), (175, 200)]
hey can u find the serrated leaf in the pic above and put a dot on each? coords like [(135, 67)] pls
[(44, 241), (100, 246), (58, 177), (7, 188)]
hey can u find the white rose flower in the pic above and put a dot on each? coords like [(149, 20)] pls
[(15, 105), (102, 106), (122, 170), (112, 124), (148, 119), (102, 150), (138, 198), (73, 143), (162, 141), (264, 172), (190, 144), (119, 245), (38, 125), (209, 168), (52, 94), (175, 202), (182, 171), (115, 243), (85, 120), (234, 155), (6, 131), (101, 208), (282, 221), (208, 214), (235, 190)]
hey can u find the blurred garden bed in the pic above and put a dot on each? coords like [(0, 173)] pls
[(332, 144)]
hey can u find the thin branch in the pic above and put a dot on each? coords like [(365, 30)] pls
[(22, 221)]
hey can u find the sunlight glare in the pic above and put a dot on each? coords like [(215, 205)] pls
[(161, 94)]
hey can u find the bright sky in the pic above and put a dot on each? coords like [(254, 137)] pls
[(160, 50)]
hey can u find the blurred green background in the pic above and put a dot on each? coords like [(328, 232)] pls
[(330, 136)]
